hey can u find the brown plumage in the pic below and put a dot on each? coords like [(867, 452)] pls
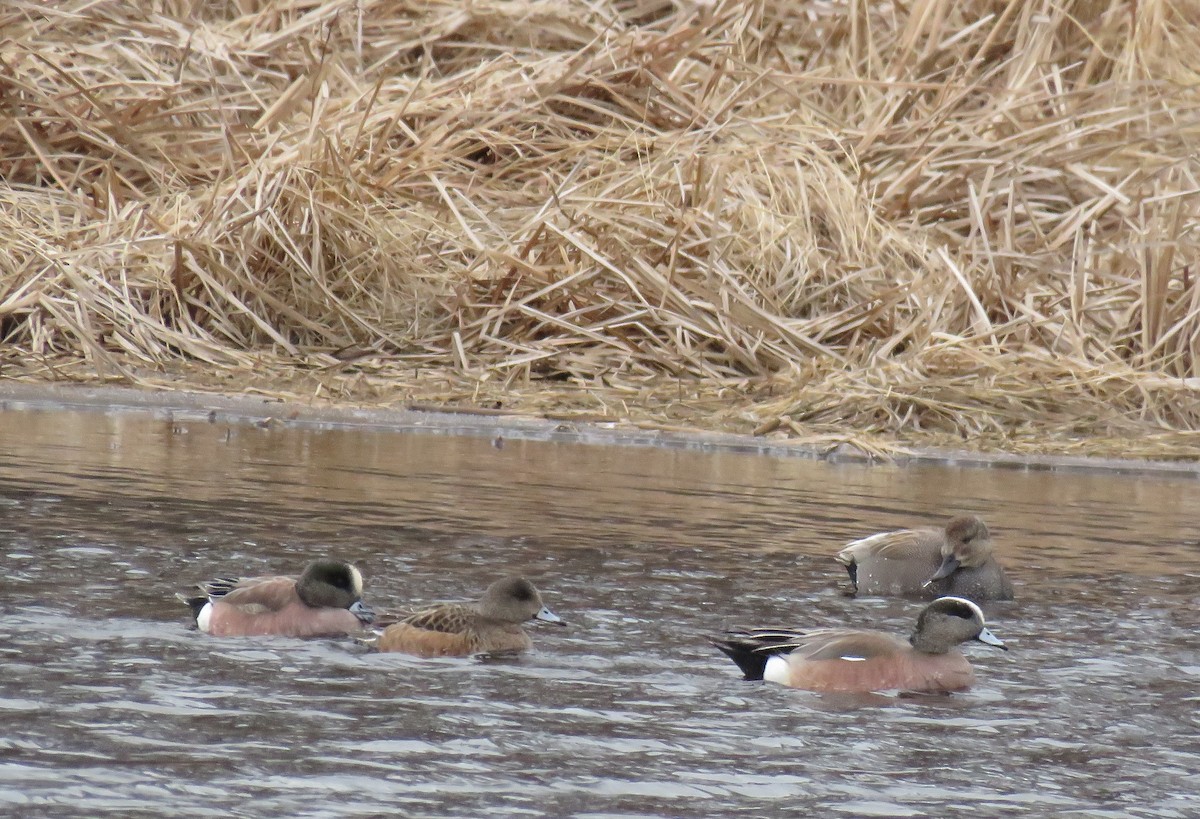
[(325, 600), (491, 626), (956, 560), (851, 660)]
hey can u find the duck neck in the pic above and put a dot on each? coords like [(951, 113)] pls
[(923, 643)]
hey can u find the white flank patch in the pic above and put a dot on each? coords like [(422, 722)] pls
[(853, 659), (777, 670), (204, 617)]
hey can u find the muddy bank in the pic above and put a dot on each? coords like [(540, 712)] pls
[(564, 423)]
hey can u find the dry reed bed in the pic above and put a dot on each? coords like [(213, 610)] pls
[(935, 221)]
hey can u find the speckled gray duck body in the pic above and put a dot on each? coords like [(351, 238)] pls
[(956, 560)]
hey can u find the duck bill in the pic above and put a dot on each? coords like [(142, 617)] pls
[(363, 612), (986, 636), (949, 566), (547, 616)]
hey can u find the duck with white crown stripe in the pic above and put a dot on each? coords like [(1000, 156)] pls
[(853, 660), (325, 600)]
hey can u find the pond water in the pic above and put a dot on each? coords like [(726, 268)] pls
[(110, 702)]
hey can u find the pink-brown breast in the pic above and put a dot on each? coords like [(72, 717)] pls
[(271, 606), (903, 671), (410, 639)]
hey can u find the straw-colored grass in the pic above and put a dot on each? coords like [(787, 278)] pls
[(923, 222)]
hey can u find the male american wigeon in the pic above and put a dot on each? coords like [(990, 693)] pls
[(491, 626), (325, 600), (849, 660), (954, 560)]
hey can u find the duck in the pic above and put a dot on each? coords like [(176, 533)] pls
[(325, 600), (860, 661), (491, 626), (956, 560)]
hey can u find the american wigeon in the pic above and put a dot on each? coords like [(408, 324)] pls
[(955, 560), (849, 660), (325, 600), (491, 626)]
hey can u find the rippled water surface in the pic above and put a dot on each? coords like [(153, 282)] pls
[(110, 703)]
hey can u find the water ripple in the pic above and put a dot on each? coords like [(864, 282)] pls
[(112, 704)]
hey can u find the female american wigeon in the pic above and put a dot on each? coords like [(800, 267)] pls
[(325, 600), (848, 660), (956, 560), (491, 626)]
